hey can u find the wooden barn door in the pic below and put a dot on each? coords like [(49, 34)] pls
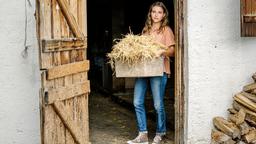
[(61, 30)]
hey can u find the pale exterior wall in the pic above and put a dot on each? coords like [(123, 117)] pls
[(19, 77), (219, 63)]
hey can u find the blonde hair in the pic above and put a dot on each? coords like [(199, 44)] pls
[(148, 23)]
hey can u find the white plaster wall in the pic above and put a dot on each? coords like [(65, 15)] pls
[(220, 62), (19, 76)]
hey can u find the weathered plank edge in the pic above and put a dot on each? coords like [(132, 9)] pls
[(67, 69), (68, 92)]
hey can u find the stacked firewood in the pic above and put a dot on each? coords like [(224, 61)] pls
[(240, 126)]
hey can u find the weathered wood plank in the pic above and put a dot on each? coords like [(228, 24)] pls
[(64, 27), (67, 69), (249, 28), (254, 14), (70, 19), (56, 34), (242, 24), (69, 104), (180, 100), (82, 21), (65, 59), (45, 27), (66, 92), (84, 114), (68, 122), (249, 19), (63, 44), (81, 106), (81, 15), (56, 30), (42, 113), (49, 125)]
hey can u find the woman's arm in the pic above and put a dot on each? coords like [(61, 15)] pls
[(170, 52)]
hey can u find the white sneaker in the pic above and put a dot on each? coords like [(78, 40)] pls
[(157, 139), (142, 138)]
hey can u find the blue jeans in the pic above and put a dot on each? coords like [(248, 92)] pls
[(158, 91)]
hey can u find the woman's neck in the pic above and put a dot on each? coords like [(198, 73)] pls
[(156, 26)]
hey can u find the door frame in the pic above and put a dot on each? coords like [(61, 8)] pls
[(180, 98)]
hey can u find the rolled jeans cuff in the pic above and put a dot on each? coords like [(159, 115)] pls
[(161, 133), (143, 132)]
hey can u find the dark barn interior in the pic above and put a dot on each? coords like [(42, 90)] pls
[(109, 20)]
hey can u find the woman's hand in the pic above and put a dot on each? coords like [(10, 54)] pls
[(160, 53), (169, 52)]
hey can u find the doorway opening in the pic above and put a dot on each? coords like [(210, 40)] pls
[(109, 20)]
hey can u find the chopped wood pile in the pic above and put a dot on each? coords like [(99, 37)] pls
[(240, 127)]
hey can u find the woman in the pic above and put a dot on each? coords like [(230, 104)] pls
[(157, 26)]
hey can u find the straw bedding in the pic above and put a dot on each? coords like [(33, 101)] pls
[(134, 48)]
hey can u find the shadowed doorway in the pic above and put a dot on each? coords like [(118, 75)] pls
[(109, 20)]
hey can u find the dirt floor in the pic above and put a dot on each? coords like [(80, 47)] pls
[(111, 123)]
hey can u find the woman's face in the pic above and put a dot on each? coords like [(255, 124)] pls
[(157, 14)]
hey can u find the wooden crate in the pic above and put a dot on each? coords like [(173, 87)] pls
[(148, 68)]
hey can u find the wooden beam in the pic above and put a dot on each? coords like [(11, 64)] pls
[(55, 45), (67, 69), (250, 19), (70, 19), (180, 99), (65, 117), (67, 92)]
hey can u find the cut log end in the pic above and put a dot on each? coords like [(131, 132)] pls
[(254, 77)]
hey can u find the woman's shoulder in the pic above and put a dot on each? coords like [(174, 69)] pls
[(167, 28)]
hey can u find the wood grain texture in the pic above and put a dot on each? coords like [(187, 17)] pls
[(64, 111), (67, 69), (70, 18), (180, 99)]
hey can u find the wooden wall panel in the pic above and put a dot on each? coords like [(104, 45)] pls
[(248, 18)]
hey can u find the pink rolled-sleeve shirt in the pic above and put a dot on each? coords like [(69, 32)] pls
[(165, 37)]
